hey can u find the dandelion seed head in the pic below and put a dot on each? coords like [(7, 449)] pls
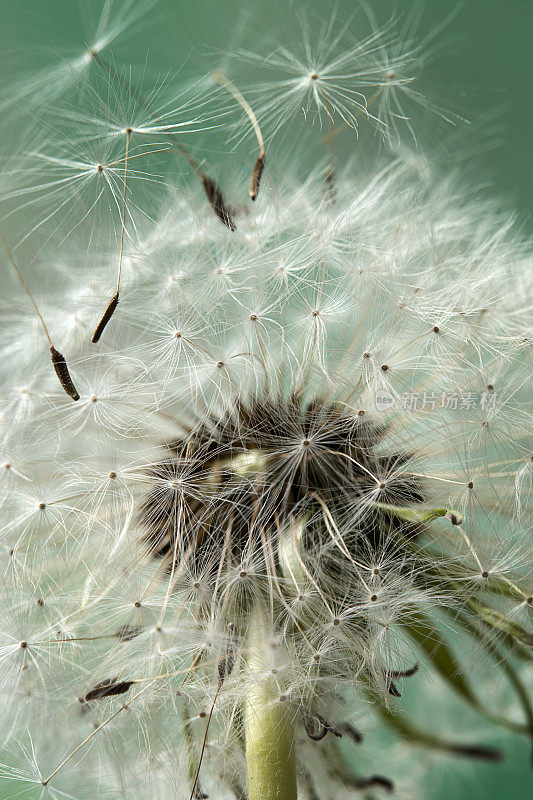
[(299, 456)]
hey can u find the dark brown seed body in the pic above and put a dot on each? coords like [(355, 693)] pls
[(217, 203), (355, 735), (478, 751), (404, 673), (324, 728), (107, 688), (257, 173), (330, 181), (226, 664), (376, 780), (61, 370), (315, 735), (108, 313), (128, 632)]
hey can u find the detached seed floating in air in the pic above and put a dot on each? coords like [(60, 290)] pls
[(58, 359), (259, 165), (110, 310)]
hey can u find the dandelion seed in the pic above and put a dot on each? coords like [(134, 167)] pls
[(58, 360), (259, 165), (108, 688), (325, 728), (482, 753), (216, 200), (226, 664), (212, 190), (108, 313), (110, 310), (318, 76), (225, 668), (405, 673), (61, 370), (46, 84), (127, 632)]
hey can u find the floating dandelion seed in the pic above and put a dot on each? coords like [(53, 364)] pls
[(108, 313), (259, 165), (70, 174), (160, 123), (328, 75), (64, 185), (58, 360), (44, 85)]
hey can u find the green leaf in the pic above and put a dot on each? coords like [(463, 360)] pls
[(502, 623), (506, 666), (418, 736), (446, 664), (441, 656)]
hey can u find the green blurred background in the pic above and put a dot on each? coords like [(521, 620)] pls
[(481, 71)]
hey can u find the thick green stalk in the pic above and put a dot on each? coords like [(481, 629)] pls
[(268, 726)]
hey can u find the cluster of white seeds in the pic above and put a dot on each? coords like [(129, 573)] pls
[(293, 460)]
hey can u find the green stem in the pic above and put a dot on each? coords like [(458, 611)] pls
[(268, 725)]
